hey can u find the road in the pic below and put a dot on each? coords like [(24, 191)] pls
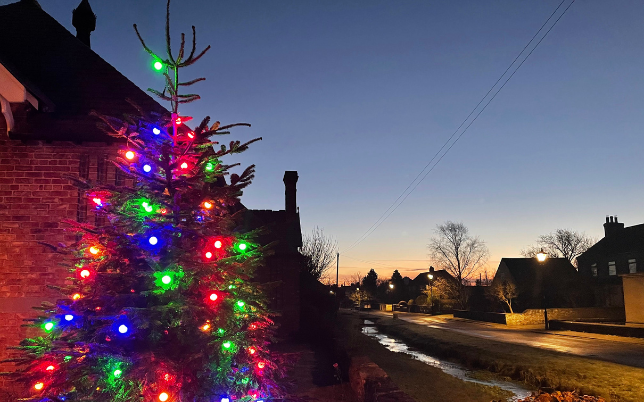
[(621, 350)]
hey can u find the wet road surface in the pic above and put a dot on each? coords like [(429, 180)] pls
[(621, 350)]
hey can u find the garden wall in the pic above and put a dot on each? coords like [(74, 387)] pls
[(536, 316)]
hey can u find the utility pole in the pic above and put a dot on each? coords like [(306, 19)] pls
[(337, 269)]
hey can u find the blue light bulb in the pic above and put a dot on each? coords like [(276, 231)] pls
[(156, 131), (147, 168), (123, 328), (69, 317), (153, 240)]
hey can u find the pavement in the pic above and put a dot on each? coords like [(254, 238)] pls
[(616, 349)]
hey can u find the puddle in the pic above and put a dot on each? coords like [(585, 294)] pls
[(452, 369)]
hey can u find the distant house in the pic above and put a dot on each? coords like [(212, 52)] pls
[(422, 283), (620, 252), (551, 283)]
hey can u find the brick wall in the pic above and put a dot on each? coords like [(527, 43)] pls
[(34, 198)]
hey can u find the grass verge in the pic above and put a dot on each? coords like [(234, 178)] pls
[(536, 367), (420, 381)]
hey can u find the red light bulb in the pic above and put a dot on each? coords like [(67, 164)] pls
[(191, 135), (130, 155), (218, 244), (261, 365), (208, 255), (213, 296), (252, 350), (184, 165), (85, 273)]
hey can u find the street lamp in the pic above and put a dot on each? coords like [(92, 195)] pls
[(431, 292), (541, 257), (391, 286)]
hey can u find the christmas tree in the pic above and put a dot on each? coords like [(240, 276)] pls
[(161, 305)]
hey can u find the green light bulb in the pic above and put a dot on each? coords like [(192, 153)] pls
[(221, 331), (242, 246), (166, 279), (67, 358), (240, 303), (49, 326), (158, 65), (227, 345), (244, 381), (117, 373), (209, 167)]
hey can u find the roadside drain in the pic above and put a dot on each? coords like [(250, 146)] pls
[(450, 368)]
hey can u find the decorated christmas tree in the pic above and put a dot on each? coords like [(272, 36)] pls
[(161, 305)]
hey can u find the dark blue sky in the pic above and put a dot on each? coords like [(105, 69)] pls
[(358, 95)]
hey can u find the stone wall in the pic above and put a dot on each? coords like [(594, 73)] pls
[(536, 316), (597, 314)]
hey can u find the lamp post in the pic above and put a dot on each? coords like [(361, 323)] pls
[(541, 257), (431, 292)]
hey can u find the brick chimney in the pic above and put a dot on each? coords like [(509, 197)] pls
[(611, 226), (290, 191), (84, 20)]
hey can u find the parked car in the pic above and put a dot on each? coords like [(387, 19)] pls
[(401, 306)]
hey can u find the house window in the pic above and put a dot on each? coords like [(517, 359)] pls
[(612, 270), (632, 266), (593, 269)]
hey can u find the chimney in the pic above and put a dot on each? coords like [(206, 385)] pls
[(84, 20), (290, 191), (611, 227)]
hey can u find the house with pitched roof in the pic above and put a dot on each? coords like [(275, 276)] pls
[(614, 266), (553, 283), (50, 81)]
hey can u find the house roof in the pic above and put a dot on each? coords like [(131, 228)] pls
[(279, 226), (67, 77), (423, 279), (624, 240), (527, 270)]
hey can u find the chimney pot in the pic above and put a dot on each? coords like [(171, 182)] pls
[(612, 226), (84, 20)]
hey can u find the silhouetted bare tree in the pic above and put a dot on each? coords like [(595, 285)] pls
[(319, 252), (454, 250), (562, 243)]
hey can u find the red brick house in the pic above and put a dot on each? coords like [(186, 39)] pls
[(46, 131)]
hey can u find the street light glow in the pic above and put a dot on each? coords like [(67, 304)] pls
[(541, 256)]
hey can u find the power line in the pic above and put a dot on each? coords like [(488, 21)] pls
[(405, 192)]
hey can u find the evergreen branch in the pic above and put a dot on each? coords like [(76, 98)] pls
[(194, 60), (181, 48), (194, 44), (167, 35), (147, 49), (234, 125), (194, 98), (188, 83), (159, 94)]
